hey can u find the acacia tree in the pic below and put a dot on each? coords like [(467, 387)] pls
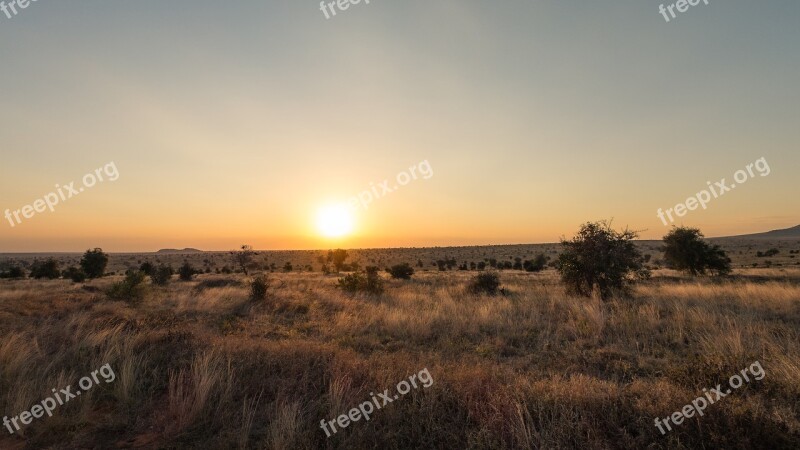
[(337, 257), (601, 258), (243, 257), (685, 250), (94, 263)]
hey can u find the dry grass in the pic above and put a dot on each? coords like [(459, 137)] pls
[(533, 369)]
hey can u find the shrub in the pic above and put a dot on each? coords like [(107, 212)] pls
[(368, 281), (769, 253), (13, 272), (537, 264), (186, 272), (148, 268), (161, 275), (487, 283), (130, 289), (337, 257), (686, 251), (401, 271), (45, 269), (94, 263), (258, 288), (75, 274), (600, 258), (288, 267)]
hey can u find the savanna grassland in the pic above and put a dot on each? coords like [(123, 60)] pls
[(199, 364)]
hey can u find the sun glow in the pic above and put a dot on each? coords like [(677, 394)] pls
[(334, 221)]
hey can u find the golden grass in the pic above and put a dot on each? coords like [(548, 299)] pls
[(533, 369)]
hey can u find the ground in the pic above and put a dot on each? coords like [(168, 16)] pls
[(198, 366)]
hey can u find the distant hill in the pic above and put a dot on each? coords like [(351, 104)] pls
[(173, 250), (788, 233)]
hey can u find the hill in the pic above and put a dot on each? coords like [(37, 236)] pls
[(788, 233)]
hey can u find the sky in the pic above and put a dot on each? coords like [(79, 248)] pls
[(235, 122)]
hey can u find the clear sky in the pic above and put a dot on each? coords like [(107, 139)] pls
[(234, 122)]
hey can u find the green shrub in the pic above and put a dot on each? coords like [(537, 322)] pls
[(186, 272), (485, 283), (130, 289), (686, 251), (45, 269), (369, 282), (75, 274), (537, 264), (94, 263), (13, 272), (161, 275), (600, 258), (401, 271), (258, 288), (148, 268)]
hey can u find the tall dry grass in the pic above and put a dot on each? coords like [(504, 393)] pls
[(532, 369)]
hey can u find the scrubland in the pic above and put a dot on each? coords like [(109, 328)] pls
[(206, 367)]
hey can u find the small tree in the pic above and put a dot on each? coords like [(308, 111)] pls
[(45, 269), (601, 258), (161, 275), (288, 267), (486, 282), (401, 271), (243, 257), (94, 263), (186, 272), (685, 250), (337, 257)]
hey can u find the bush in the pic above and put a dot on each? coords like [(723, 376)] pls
[(45, 269), (288, 267), (161, 275), (13, 272), (130, 289), (537, 264), (600, 258), (368, 281), (769, 253), (94, 263), (186, 272), (258, 288), (686, 251), (148, 268), (401, 271), (75, 274), (486, 283)]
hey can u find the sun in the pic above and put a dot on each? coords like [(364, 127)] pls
[(334, 221)]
